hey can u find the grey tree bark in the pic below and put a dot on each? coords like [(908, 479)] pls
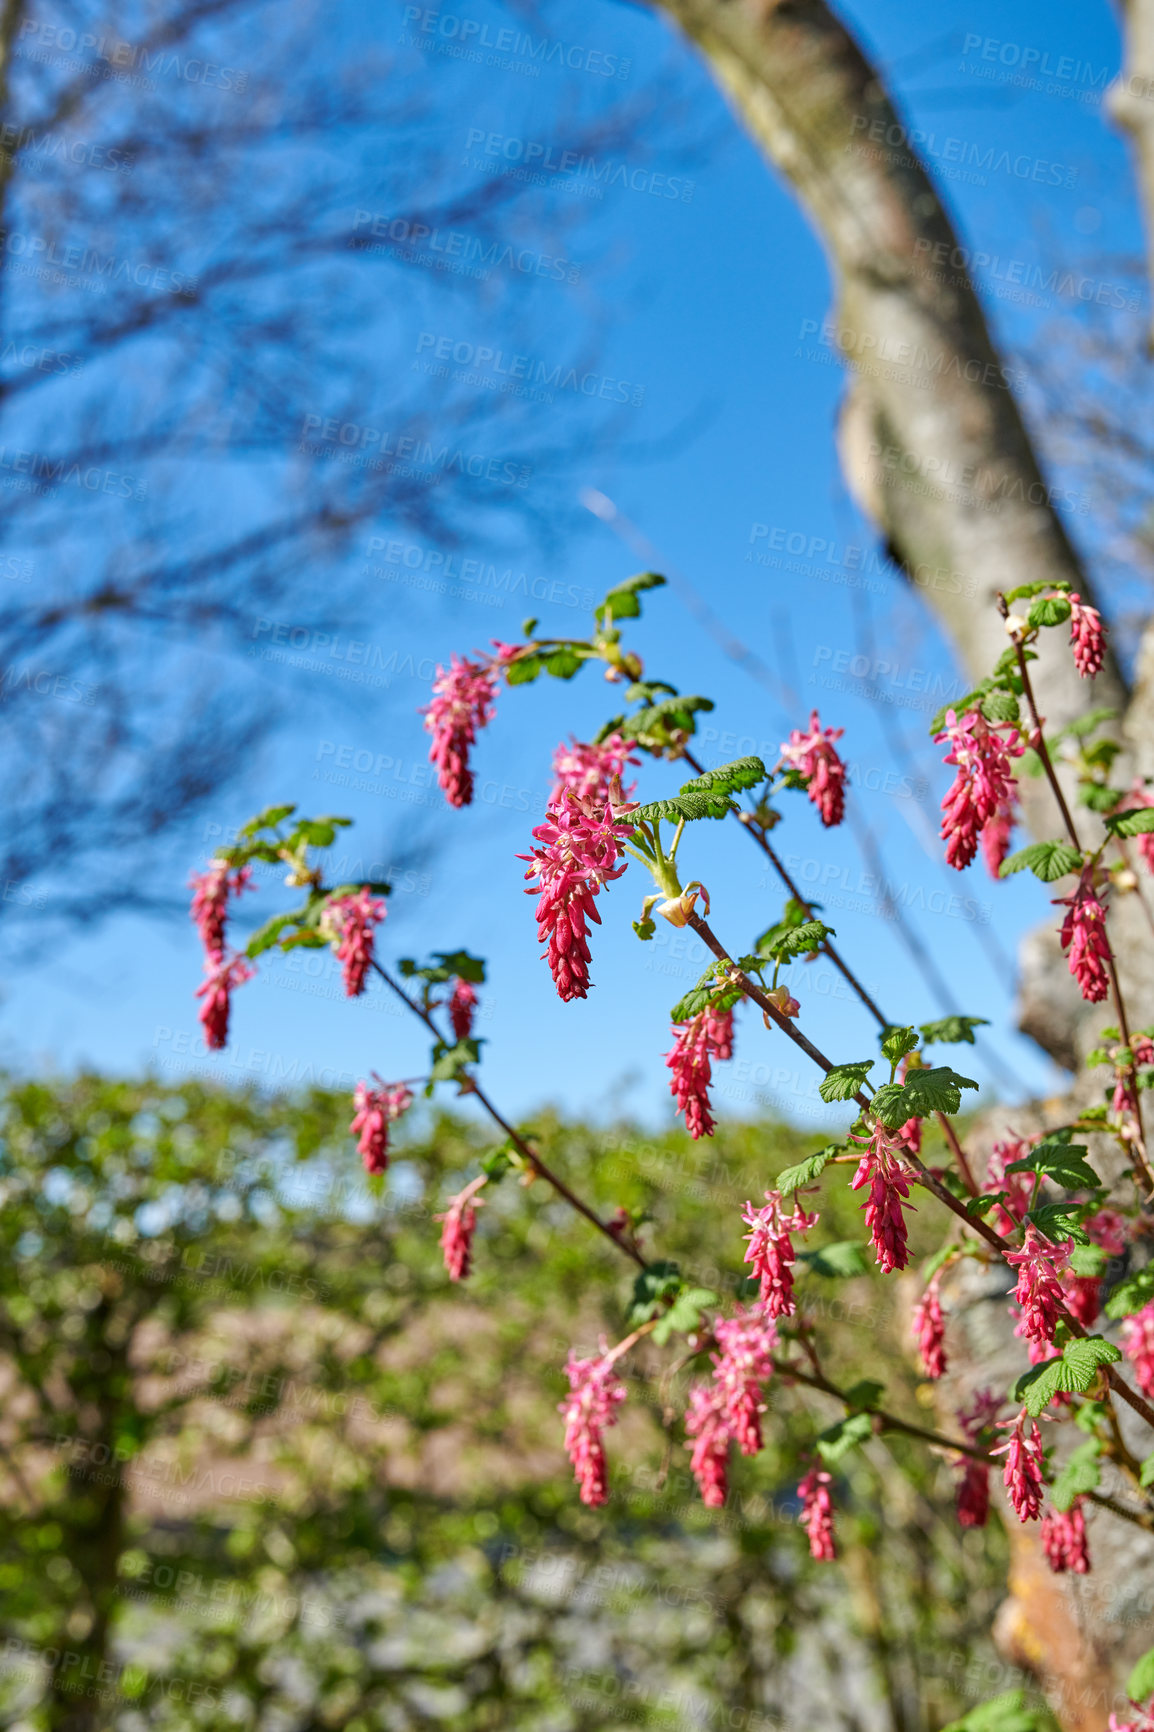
[(1130, 101), (935, 450)]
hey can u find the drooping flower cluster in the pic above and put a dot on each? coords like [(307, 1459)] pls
[(349, 921), (595, 1393), (460, 1220), (1041, 1264), (705, 1037), (211, 890), (996, 834), (1087, 637), (771, 1252), (812, 754), (224, 976), (1022, 1476), (881, 1168), (706, 1425), (973, 1498), (817, 1514), (746, 1341), (1083, 1293), (1083, 935), (588, 770), (929, 1328), (983, 785), (462, 1008), (463, 701), (580, 853), (1138, 1346), (1063, 1537), (376, 1109)]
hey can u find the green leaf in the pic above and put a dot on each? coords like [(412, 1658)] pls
[(266, 936), (644, 929), (1025, 590), (937, 1089), (841, 1261), (1081, 1473), (896, 1041), (1146, 1472), (839, 1439), (806, 1171), (729, 778), (563, 663), (1140, 1683), (1086, 724), (653, 1289), (496, 1164), (697, 998), (889, 1105), (1088, 1260), (1138, 823), (317, 832), (952, 1030), (268, 819), (1049, 610), (622, 602), (529, 626), (1062, 1162), (1098, 798), (1048, 861), (782, 942), (1062, 1220), (461, 965), (1001, 706), (1008, 1712), (684, 1315), (960, 705), (1136, 1291), (450, 1061), (524, 669), (865, 1393), (844, 1080), (1072, 1374)]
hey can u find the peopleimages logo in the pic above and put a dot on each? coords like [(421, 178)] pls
[(469, 36), (518, 375), (548, 159)]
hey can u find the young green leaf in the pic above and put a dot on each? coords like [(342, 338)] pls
[(844, 1080), (841, 1261), (1140, 1683), (897, 1041), (952, 1030), (622, 602), (1081, 1473), (1048, 861), (1048, 610), (1132, 1295), (450, 1061), (653, 1289), (684, 1315), (782, 942), (266, 936), (1072, 1374), (462, 966), (1138, 823), (806, 1171), (1009, 1712), (1065, 1163), (935, 1090), (839, 1439), (1001, 706), (523, 670)]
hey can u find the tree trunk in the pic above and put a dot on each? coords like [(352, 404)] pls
[(1130, 101)]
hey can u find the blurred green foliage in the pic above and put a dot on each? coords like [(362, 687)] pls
[(265, 1467)]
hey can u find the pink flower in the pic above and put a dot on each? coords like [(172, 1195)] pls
[(376, 1109), (223, 979), (771, 1250), (1023, 1472), (590, 1407), (1143, 1723), (996, 834), (462, 1005), (1084, 936), (813, 756), (1041, 1266), (973, 1499), (350, 920), (581, 848), (588, 770), (1007, 1216), (929, 1328), (211, 890), (460, 1219), (817, 1514), (1082, 1296), (706, 1424), (909, 1136), (889, 1185), (1138, 1346), (984, 782), (463, 701), (1087, 637), (1108, 1229), (746, 1340), (1064, 1540), (706, 1036), (1139, 796)]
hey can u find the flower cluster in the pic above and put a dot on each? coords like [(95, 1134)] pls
[(812, 755), (463, 701), (705, 1037), (590, 770), (580, 852), (929, 1327), (595, 1393), (211, 890), (817, 1514), (1007, 1214), (223, 978), (1087, 637), (881, 1168), (1022, 1476), (707, 1428), (1138, 1346), (983, 791), (746, 1340), (973, 1498), (1063, 1537), (1084, 937), (1041, 1266), (349, 922), (376, 1109), (771, 1252), (462, 1006), (460, 1220)]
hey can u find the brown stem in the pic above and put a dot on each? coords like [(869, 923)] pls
[(1140, 1518), (1043, 749), (960, 1155), (529, 1155), (889, 1421)]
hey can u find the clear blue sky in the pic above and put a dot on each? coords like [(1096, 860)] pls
[(714, 306)]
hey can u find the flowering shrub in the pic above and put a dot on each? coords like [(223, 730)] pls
[(1039, 1213)]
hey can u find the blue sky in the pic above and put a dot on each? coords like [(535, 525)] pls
[(711, 311)]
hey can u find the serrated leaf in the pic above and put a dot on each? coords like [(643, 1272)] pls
[(622, 601), (1048, 861), (729, 778), (785, 942), (268, 819), (952, 1030), (462, 965), (652, 1291), (889, 1106), (562, 663), (937, 1089), (1008, 1712), (1063, 1162), (805, 1172), (897, 1041), (1049, 610), (1081, 1473), (524, 669), (1088, 1260), (864, 1394), (1140, 1683), (839, 1439), (1137, 823), (1062, 1221), (960, 706), (266, 936), (1001, 706), (845, 1080), (1133, 1293), (450, 1061), (1097, 798), (684, 1315), (1072, 1374), (1025, 591), (316, 832), (841, 1261)]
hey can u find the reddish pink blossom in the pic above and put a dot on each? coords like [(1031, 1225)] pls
[(817, 1514), (1064, 1540), (462, 1006), (581, 846), (1007, 1216), (1082, 1295), (350, 920), (590, 1407), (223, 979), (1041, 1265), (211, 890), (589, 770), (375, 1110), (1138, 797), (463, 701), (929, 1328), (996, 834), (1084, 936), (909, 1136), (1138, 1346), (705, 1037), (889, 1183), (771, 1250), (706, 1425), (1143, 1720), (460, 1220), (746, 1340), (1142, 1047), (983, 784), (973, 1496), (1108, 1229), (1087, 637), (1022, 1476), (813, 756)]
